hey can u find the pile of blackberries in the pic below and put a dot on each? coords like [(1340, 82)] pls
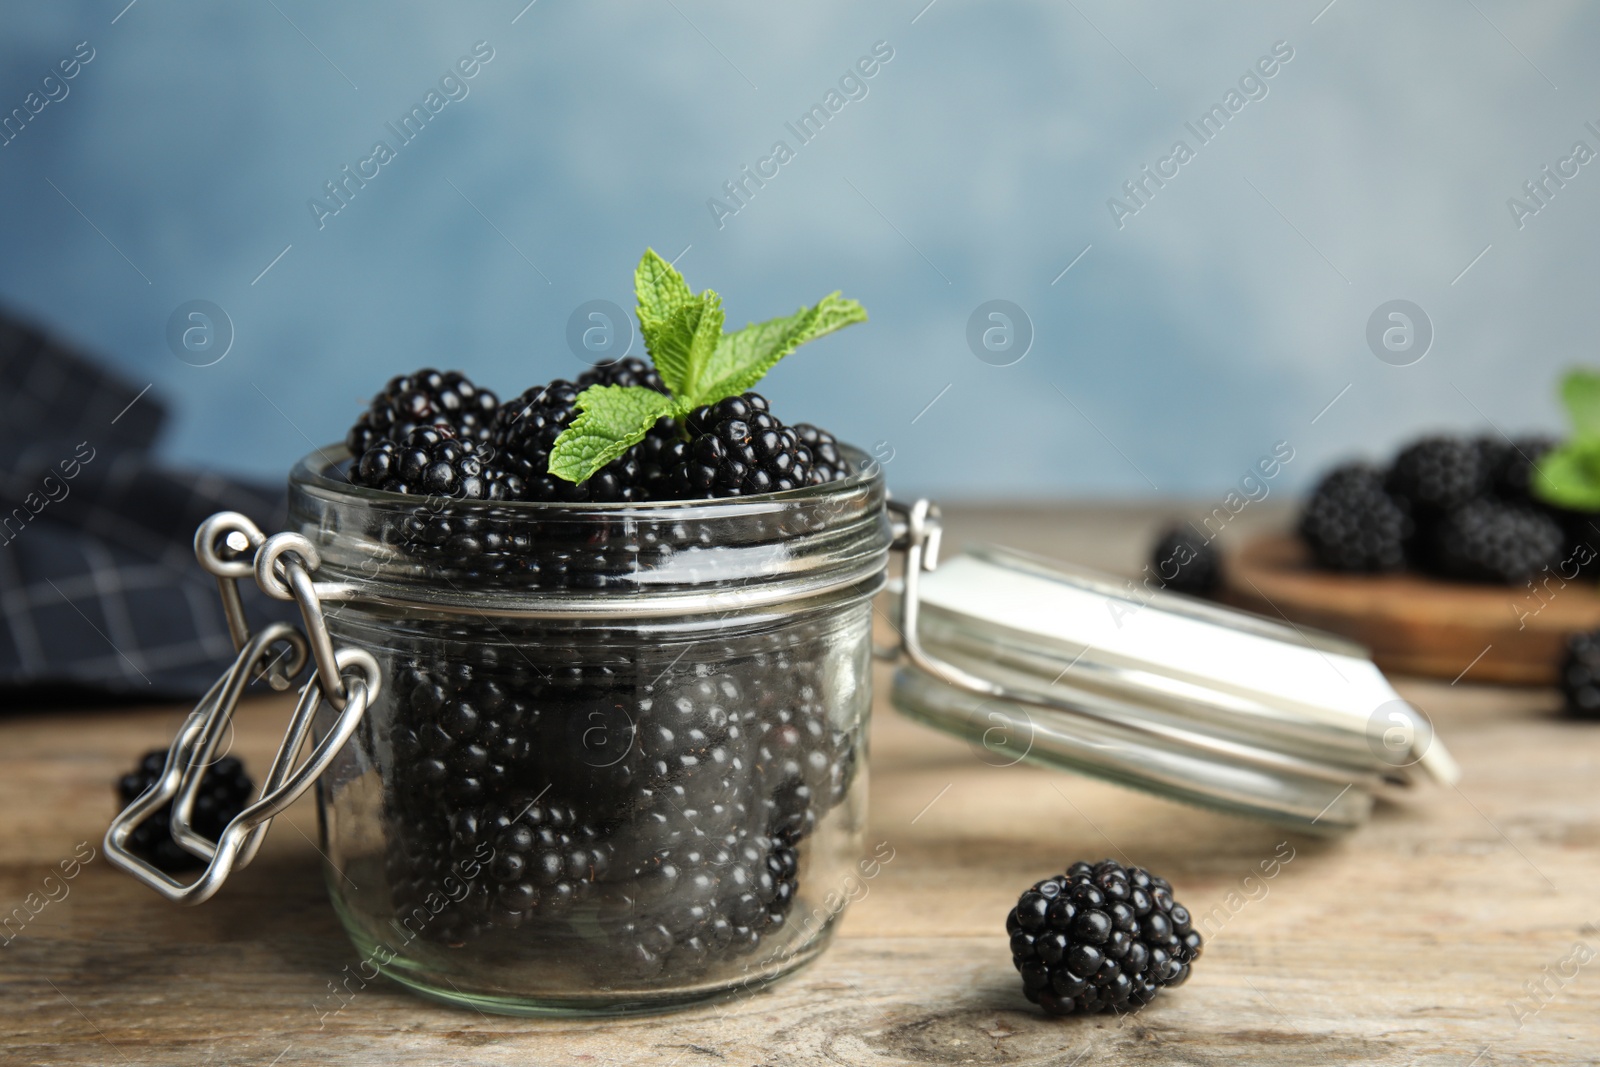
[(640, 818), (1101, 937), (436, 434), (464, 455), (1454, 507), (225, 789)]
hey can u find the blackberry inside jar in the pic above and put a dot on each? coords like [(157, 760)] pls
[(630, 778)]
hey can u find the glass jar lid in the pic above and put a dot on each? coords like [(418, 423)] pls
[(1033, 660)]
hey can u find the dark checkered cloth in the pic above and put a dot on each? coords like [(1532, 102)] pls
[(100, 592)]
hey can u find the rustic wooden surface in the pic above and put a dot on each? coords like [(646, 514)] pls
[(1410, 942), (1419, 625)]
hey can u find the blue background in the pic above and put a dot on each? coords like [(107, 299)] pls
[(1222, 318)]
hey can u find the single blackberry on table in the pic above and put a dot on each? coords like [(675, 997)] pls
[(1101, 937), (1185, 562), (1491, 541), (432, 461), (424, 398), (737, 447), (1580, 675), (630, 371), (224, 791), (1439, 474), (1351, 523)]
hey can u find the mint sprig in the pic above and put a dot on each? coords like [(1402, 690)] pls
[(697, 361), (611, 419), (1569, 475)]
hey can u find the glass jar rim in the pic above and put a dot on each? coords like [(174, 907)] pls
[(311, 471), (587, 562)]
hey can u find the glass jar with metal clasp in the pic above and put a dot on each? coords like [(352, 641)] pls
[(610, 758)]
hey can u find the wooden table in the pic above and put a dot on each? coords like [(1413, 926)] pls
[(1411, 942)]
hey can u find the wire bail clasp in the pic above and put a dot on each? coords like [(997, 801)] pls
[(282, 567)]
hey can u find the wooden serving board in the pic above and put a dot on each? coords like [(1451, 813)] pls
[(1415, 624)]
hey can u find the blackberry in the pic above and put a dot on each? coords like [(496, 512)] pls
[(1186, 563), (688, 776), (630, 371), (826, 463), (1491, 541), (669, 811), (462, 734), (1351, 523), (432, 461), (1439, 474), (737, 447), (1512, 465), (1580, 675), (689, 907), (425, 398), (659, 455), (526, 429), (224, 791), (1100, 937), (545, 858)]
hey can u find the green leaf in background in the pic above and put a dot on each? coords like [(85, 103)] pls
[(742, 359), (1580, 392), (1569, 476), (660, 290), (685, 344), (611, 419)]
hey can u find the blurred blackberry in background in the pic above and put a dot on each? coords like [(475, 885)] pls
[(225, 789), (1100, 937), (1184, 562), (424, 398), (1580, 675), (1491, 541), (1438, 474), (1511, 464), (1351, 523)]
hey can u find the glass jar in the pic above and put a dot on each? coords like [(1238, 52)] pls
[(618, 761)]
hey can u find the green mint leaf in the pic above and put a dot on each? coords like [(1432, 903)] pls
[(686, 343), (611, 419), (660, 290), (742, 359), (1569, 476), (1580, 392)]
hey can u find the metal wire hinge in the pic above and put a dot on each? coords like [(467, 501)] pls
[(232, 547), (917, 534)]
